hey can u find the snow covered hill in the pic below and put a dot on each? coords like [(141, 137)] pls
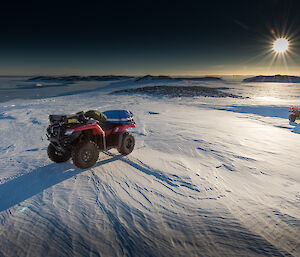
[(208, 176)]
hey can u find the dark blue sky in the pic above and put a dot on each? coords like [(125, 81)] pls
[(141, 37)]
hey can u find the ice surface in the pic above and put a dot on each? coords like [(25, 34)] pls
[(208, 176)]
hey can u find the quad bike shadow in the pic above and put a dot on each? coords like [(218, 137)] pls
[(30, 184)]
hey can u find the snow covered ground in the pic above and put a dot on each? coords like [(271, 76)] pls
[(208, 176)]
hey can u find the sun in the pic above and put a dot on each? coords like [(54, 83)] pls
[(280, 45)]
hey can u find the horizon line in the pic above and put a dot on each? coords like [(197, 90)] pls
[(142, 75)]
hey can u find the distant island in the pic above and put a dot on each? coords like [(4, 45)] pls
[(161, 77), (117, 77), (275, 78), (80, 78)]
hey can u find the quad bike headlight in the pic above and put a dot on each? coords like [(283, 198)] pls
[(69, 132)]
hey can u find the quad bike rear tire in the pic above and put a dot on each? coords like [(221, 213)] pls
[(127, 145), (292, 117), (57, 156), (85, 154)]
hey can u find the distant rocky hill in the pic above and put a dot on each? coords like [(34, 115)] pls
[(161, 77), (275, 78), (79, 78)]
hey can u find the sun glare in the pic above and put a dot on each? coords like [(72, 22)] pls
[(280, 45)]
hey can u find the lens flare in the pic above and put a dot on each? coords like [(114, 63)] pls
[(280, 45)]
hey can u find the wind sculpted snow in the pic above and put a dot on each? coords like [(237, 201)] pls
[(208, 177)]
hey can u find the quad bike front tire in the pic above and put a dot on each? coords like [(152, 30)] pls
[(57, 156), (85, 154), (127, 145), (292, 117)]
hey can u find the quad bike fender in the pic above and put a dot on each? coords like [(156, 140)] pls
[(119, 129), (123, 128), (96, 130), (94, 127)]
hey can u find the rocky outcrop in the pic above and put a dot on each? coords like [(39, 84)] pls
[(178, 91)]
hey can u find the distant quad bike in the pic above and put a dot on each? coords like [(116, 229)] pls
[(83, 135), (295, 114)]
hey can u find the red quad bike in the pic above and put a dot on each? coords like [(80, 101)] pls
[(82, 137), (295, 114)]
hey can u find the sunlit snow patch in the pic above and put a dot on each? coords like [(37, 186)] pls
[(268, 98)]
